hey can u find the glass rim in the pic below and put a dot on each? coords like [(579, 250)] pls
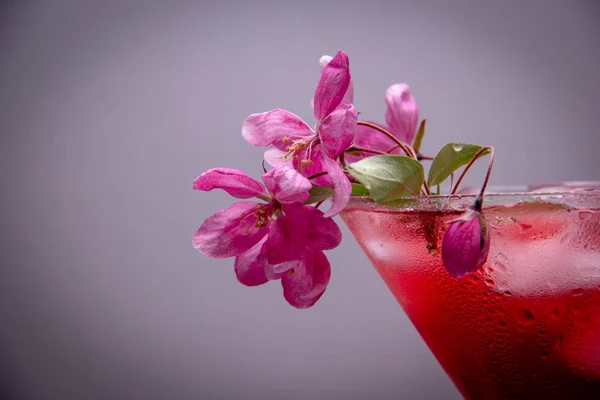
[(576, 195)]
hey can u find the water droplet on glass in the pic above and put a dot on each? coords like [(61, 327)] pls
[(373, 218), (583, 215), (555, 313), (566, 238), (525, 227), (572, 311), (543, 355), (577, 292), (525, 317), (490, 282), (455, 203), (559, 342), (502, 323), (500, 267), (508, 293), (457, 147)]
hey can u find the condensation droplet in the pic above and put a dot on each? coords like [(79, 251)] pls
[(559, 341), (501, 258), (555, 313), (373, 218), (572, 311), (525, 227), (455, 203), (490, 282), (566, 238), (577, 292), (543, 355), (583, 215), (525, 316)]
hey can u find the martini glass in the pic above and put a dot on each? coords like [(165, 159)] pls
[(527, 324)]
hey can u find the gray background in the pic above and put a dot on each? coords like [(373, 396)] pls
[(109, 110)]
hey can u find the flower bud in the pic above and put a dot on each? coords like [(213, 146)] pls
[(466, 244)]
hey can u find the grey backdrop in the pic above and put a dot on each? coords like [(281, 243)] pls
[(109, 110)]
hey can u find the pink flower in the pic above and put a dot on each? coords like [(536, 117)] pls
[(401, 117), (349, 96), (280, 239), (402, 114), (313, 151), (466, 244)]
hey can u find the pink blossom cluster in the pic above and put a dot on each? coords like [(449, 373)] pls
[(280, 236)]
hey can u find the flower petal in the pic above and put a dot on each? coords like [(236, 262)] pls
[(274, 157), (250, 266), (272, 271), (323, 61), (349, 96), (402, 114), (332, 86), (277, 127), (306, 283), (312, 167), (287, 185), (297, 228), (229, 232), (337, 130), (284, 267), (283, 242), (235, 182), (317, 230), (342, 189)]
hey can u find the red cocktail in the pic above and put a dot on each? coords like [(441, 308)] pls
[(526, 325)]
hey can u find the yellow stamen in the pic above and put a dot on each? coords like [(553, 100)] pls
[(304, 164)]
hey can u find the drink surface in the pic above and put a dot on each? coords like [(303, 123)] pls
[(526, 325)]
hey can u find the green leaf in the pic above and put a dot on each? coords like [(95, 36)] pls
[(388, 177), (319, 193), (359, 190), (419, 137), (450, 158)]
